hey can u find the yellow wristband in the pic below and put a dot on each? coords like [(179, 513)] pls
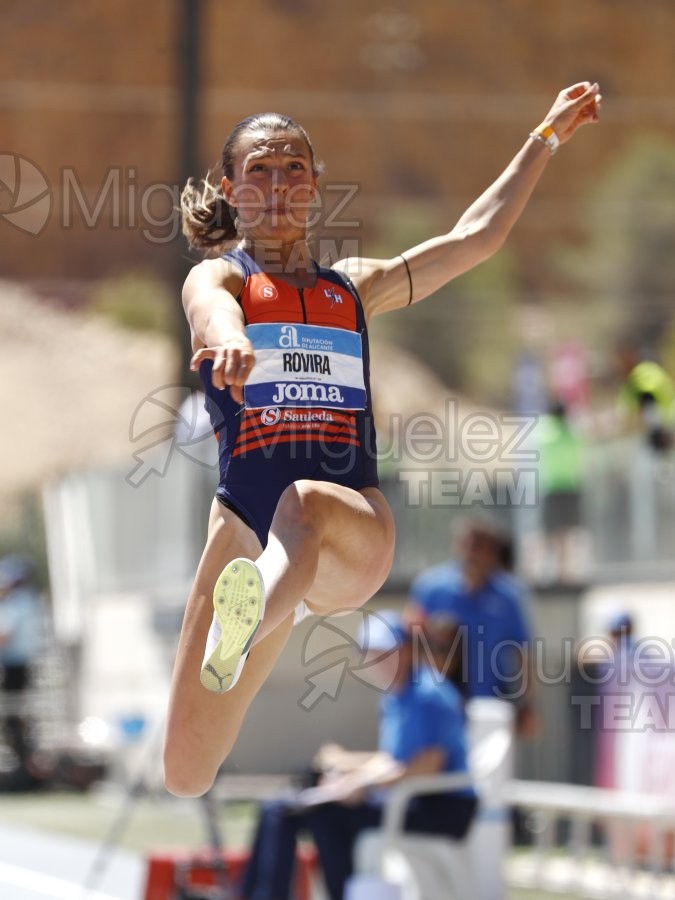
[(546, 135)]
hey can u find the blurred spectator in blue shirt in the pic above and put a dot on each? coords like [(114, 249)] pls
[(421, 732), (20, 633), (488, 605)]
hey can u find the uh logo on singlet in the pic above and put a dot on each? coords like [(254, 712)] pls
[(305, 365)]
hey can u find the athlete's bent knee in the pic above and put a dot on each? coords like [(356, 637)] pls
[(182, 781), (297, 505)]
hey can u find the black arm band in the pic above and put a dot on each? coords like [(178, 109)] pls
[(407, 268)]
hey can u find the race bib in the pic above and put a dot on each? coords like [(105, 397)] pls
[(305, 365)]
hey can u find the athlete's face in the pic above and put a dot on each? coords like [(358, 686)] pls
[(273, 186)]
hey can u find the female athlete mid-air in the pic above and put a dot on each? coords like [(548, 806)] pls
[(281, 344)]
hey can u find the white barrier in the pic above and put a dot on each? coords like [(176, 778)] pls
[(593, 842), (490, 835)]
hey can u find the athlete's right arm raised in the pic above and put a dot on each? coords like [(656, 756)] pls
[(217, 324)]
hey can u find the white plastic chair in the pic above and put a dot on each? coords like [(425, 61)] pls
[(429, 867)]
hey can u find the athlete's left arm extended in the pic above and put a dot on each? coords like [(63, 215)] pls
[(385, 285)]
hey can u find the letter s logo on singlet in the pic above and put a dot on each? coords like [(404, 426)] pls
[(267, 292)]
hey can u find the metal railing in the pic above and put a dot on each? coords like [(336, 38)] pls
[(592, 842)]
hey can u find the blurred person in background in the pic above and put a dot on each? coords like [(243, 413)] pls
[(646, 407), (612, 677), (621, 632), (421, 732), (561, 473), (613, 653), (490, 609), (647, 398), (507, 572), (20, 643), (298, 521)]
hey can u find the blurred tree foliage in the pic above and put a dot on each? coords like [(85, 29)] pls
[(465, 332), (136, 300), (627, 261)]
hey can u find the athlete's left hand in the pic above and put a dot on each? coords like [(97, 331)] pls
[(232, 364), (573, 107)]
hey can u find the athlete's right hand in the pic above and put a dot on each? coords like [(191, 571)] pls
[(232, 364)]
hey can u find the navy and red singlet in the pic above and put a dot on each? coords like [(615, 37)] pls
[(307, 412)]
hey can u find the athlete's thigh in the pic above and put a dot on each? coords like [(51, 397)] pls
[(201, 725), (357, 547)]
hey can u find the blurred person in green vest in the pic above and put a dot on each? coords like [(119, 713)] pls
[(560, 482), (647, 398)]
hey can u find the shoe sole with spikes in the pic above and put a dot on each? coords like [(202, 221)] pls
[(239, 603)]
